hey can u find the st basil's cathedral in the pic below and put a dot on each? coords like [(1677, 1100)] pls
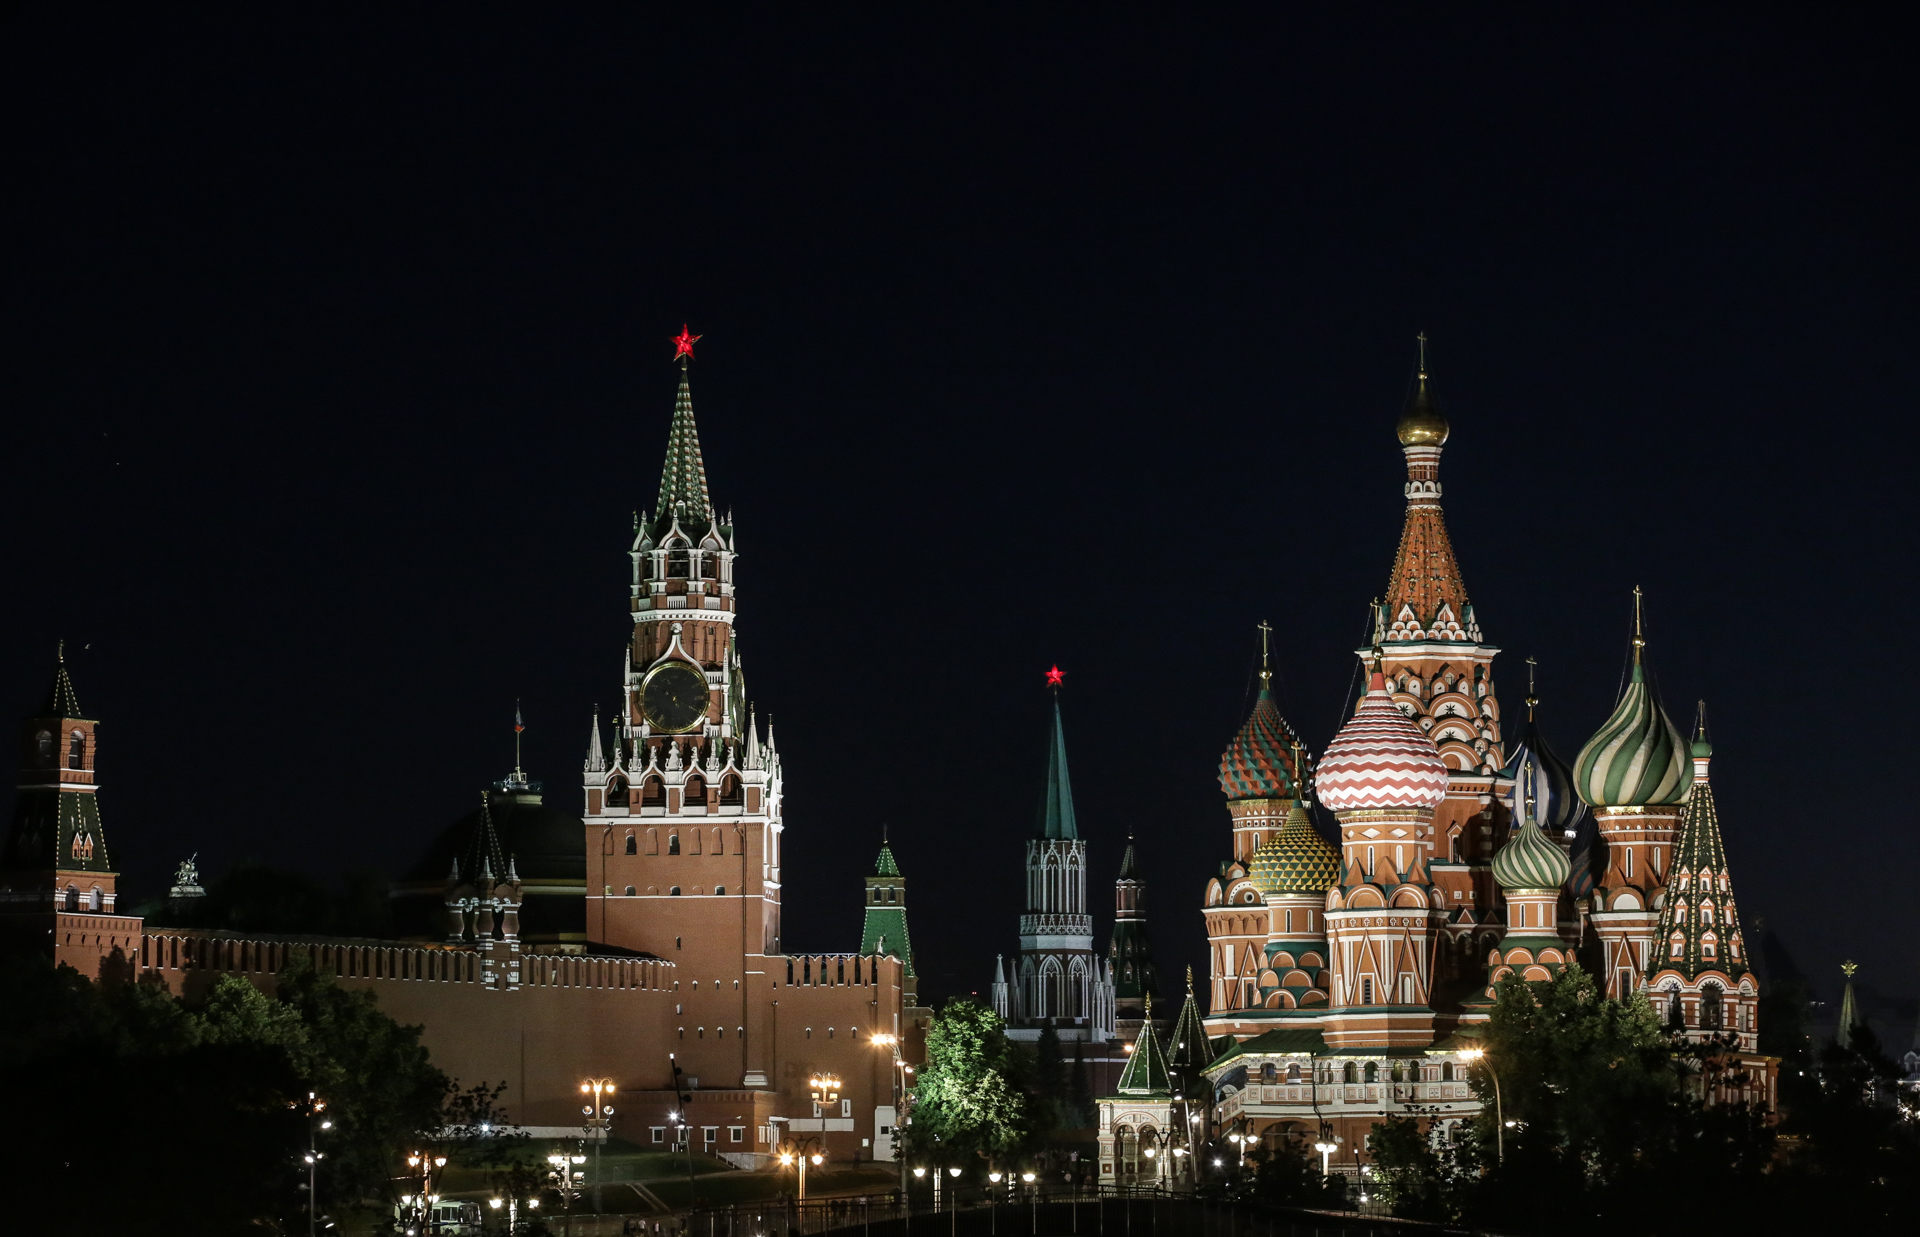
[(1350, 976)]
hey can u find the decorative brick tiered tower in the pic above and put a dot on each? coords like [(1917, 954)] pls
[(58, 887)]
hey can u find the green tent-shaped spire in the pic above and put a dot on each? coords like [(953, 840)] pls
[(1187, 1048), (1146, 1072), (885, 929), (683, 479), (1849, 1008), (61, 702), (1056, 806)]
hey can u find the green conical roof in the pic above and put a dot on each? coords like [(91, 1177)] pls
[(1056, 805), (1699, 889), (1187, 1048), (884, 865), (683, 480), (1146, 1072), (61, 702)]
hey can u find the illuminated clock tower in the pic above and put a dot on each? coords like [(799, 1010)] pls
[(683, 801)]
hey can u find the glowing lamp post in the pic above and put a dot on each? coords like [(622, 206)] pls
[(1499, 1115), (599, 1116)]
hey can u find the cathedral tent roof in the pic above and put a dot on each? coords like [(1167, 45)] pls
[(61, 701), (1699, 909), (1146, 1071)]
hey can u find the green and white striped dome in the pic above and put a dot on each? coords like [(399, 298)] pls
[(1296, 859), (1530, 861), (1638, 759)]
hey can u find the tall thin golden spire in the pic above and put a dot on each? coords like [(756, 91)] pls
[(1266, 673), (1639, 635)]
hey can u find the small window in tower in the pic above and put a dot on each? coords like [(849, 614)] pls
[(633, 845), (890, 893), (674, 892), (617, 794), (677, 564), (1366, 989), (673, 844), (629, 891), (719, 891), (95, 900), (43, 749), (77, 750), (1373, 1071)]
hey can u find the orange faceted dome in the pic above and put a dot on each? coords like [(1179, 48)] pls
[(1381, 759)]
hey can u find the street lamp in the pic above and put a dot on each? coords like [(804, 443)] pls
[(599, 1115), (565, 1176), (315, 1123), (899, 1072), (792, 1152), (1499, 1115)]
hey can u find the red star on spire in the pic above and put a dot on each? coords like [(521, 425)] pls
[(1055, 676), (683, 343)]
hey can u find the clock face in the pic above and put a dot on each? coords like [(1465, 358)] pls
[(674, 696)]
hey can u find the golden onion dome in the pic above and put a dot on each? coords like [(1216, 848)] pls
[(1296, 859), (1421, 425)]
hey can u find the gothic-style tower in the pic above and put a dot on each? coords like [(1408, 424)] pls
[(684, 802), (1437, 666), (1131, 955), (1634, 775), (1057, 977), (1700, 977), (57, 881)]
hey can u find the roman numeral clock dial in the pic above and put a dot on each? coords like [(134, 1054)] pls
[(674, 696)]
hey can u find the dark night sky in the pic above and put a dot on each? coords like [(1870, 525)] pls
[(335, 359)]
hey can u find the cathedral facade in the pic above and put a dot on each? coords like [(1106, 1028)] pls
[(638, 938), (1350, 973)]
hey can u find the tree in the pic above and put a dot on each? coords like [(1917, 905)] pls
[(969, 1102)]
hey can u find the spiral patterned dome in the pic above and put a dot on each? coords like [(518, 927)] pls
[(1296, 859), (1381, 759), (1638, 759), (1258, 764), (1530, 861)]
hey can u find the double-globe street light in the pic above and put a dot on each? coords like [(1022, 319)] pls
[(599, 1116)]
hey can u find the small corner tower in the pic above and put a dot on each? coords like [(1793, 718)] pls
[(885, 930), (58, 885)]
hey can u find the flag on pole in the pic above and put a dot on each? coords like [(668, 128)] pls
[(519, 723)]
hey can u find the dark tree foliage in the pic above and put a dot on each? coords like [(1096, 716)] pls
[(1080, 1093), (1605, 1118), (171, 1116), (1289, 1176)]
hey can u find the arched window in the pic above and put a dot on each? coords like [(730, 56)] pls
[(731, 792), (677, 563), (1710, 1007), (617, 793), (653, 793), (1350, 1072), (633, 845), (77, 750), (673, 843), (94, 899), (695, 793), (1269, 1072), (719, 891), (629, 887), (1293, 1071), (1373, 1071), (1446, 1071), (43, 749), (674, 892), (72, 898)]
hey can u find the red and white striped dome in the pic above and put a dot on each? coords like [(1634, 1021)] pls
[(1380, 759)]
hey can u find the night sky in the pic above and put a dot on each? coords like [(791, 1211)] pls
[(335, 361)]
